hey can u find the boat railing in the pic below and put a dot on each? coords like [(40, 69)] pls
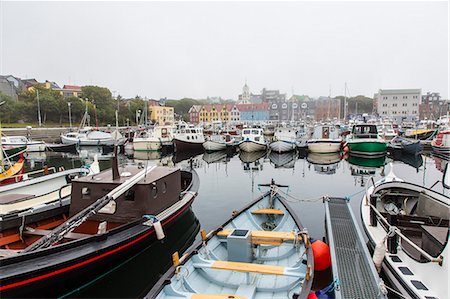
[(27, 174), (395, 231)]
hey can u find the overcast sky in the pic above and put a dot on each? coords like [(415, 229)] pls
[(200, 49)]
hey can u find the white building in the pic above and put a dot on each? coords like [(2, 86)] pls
[(399, 104)]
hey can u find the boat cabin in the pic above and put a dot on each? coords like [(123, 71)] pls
[(325, 132), (253, 134), (158, 191), (365, 131)]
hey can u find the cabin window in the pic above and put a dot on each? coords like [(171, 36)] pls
[(154, 190), (187, 137), (129, 195), (85, 193), (164, 187), (246, 131), (255, 132)]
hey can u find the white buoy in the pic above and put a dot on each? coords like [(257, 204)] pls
[(378, 255), (94, 168), (159, 230)]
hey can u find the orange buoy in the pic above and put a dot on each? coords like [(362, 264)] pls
[(312, 295), (322, 256)]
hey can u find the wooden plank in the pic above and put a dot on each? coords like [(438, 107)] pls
[(218, 296), (248, 267), (268, 211), (9, 239)]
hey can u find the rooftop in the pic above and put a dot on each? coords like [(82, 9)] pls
[(399, 91)]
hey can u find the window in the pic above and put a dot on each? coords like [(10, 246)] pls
[(405, 97), (394, 112), (274, 106), (154, 190), (394, 97), (394, 105), (85, 193), (405, 104), (414, 97), (385, 98), (414, 104), (384, 105), (284, 106)]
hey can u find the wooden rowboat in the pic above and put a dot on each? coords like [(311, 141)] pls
[(7, 175), (261, 252)]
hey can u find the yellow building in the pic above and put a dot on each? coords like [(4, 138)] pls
[(218, 112), (161, 114)]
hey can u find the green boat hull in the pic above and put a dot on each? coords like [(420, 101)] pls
[(12, 151), (369, 148)]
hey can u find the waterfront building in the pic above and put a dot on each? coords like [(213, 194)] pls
[(10, 86), (270, 96), (399, 104), (327, 109), (253, 112), (67, 91), (432, 106), (161, 114), (234, 113), (194, 114), (283, 111)]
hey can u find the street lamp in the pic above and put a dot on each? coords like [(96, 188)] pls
[(39, 109), (70, 116), (138, 113)]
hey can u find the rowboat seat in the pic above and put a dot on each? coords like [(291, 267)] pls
[(265, 237), (268, 212), (199, 262)]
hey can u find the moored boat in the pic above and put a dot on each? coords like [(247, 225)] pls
[(365, 141), (414, 220), (88, 136), (188, 138), (265, 241), (410, 146), (113, 216), (325, 139), (13, 142), (285, 140), (441, 144), (252, 140), (153, 139), (218, 142), (35, 199), (9, 174)]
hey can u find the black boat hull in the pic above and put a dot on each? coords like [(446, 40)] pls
[(58, 270), (181, 146)]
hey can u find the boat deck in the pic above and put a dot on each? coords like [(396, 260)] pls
[(352, 264)]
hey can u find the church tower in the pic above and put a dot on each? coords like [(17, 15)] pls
[(244, 98)]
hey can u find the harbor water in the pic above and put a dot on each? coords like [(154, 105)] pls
[(228, 181)]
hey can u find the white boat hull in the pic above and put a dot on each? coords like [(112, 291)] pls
[(252, 146), (281, 146), (324, 146), (432, 275), (88, 142), (214, 145), (146, 145)]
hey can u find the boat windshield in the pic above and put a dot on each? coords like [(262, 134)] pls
[(369, 131)]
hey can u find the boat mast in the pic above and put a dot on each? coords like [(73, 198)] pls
[(345, 101)]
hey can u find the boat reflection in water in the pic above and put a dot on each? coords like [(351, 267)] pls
[(215, 157), (413, 160), (363, 168), (324, 163), (186, 155), (252, 163), (141, 272), (283, 160)]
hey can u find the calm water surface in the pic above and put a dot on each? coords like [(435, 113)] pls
[(229, 181)]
